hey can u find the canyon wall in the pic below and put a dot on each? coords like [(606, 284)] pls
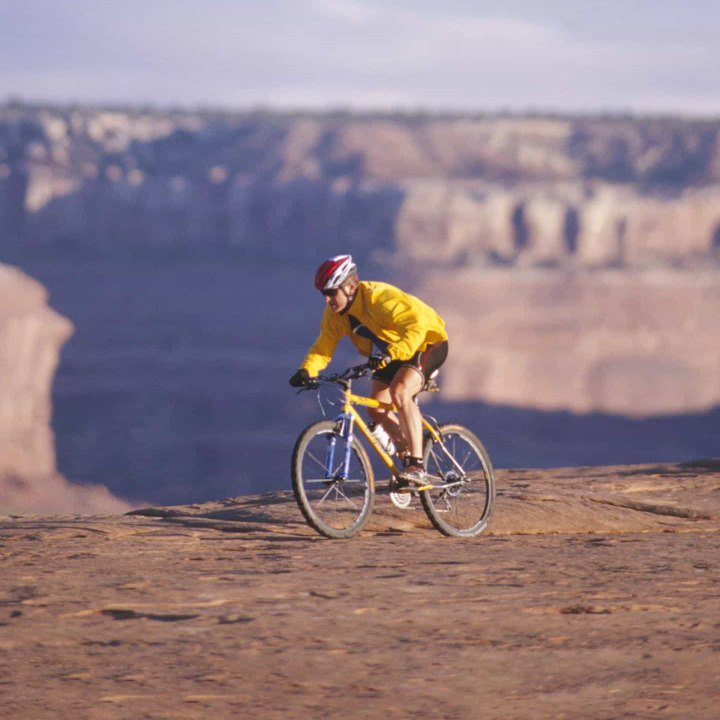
[(481, 191), (636, 343), (576, 261)]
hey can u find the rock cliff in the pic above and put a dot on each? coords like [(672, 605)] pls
[(484, 190), (638, 343), (31, 335), (576, 261)]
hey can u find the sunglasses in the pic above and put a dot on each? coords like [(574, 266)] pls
[(330, 293)]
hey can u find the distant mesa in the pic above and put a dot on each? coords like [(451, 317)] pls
[(480, 191), (31, 336), (575, 259)]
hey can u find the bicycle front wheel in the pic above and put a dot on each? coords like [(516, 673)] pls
[(336, 498), (463, 494)]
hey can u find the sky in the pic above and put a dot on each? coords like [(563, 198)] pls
[(581, 56)]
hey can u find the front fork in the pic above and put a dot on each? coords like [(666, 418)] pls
[(346, 423)]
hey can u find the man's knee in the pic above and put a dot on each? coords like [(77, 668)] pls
[(403, 393)]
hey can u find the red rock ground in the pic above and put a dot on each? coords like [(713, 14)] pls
[(594, 595)]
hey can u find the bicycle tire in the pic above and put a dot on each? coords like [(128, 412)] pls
[(461, 503), (336, 508)]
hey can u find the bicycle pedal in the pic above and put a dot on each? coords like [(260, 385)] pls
[(424, 487)]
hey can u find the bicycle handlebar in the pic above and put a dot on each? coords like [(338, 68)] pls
[(352, 373)]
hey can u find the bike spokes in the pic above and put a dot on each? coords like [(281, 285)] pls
[(335, 505), (462, 496)]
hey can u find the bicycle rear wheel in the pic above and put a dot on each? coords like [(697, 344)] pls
[(334, 505), (463, 495)]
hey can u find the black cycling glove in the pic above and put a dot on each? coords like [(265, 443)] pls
[(300, 378), (378, 362)]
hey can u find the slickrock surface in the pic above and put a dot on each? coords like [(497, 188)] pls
[(594, 595)]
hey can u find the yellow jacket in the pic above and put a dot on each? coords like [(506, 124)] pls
[(381, 317)]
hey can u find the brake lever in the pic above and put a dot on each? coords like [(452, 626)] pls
[(311, 384)]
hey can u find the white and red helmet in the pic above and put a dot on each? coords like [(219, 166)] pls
[(334, 272)]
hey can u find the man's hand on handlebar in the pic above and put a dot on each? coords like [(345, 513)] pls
[(378, 362), (301, 378)]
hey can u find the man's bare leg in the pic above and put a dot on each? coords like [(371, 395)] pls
[(406, 384)]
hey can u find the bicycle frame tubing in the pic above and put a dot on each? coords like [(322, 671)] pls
[(351, 416)]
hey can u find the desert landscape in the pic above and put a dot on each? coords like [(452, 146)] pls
[(545, 176), (155, 563), (592, 596), (574, 259)]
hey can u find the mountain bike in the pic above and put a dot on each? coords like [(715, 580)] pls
[(333, 479)]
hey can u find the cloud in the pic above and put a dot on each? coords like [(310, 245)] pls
[(364, 53), (342, 96), (348, 10)]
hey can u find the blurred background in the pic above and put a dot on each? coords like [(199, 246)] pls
[(171, 174)]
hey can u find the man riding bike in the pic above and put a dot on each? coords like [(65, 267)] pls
[(404, 339)]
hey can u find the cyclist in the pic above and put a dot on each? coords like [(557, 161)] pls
[(404, 339)]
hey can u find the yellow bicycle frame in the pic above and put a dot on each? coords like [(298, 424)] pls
[(351, 399)]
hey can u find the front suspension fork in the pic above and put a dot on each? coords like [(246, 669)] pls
[(346, 424)]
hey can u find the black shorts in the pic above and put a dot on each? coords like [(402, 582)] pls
[(425, 362)]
